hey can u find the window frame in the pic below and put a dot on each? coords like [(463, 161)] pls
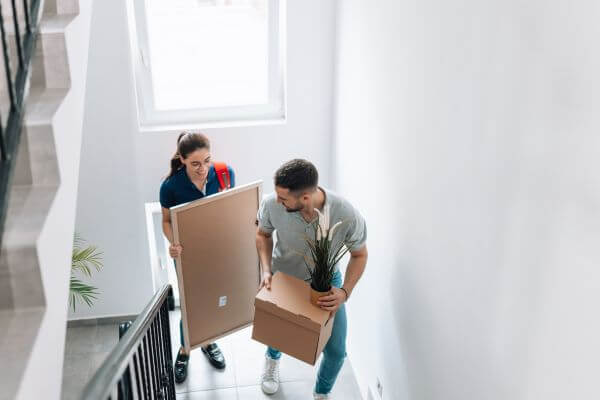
[(151, 119)]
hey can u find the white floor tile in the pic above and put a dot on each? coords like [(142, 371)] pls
[(220, 394), (203, 376), (301, 390), (292, 369), (107, 337), (249, 362), (245, 361), (346, 387), (81, 339)]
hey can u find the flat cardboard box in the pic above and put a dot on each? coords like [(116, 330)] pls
[(218, 271), (284, 318)]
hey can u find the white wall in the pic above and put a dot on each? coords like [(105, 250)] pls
[(43, 375), (467, 133), (122, 168)]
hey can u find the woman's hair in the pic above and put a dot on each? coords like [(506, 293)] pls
[(187, 143)]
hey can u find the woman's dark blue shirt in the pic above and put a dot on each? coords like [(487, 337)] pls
[(179, 189)]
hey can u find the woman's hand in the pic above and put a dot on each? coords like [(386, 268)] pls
[(266, 280), (175, 250)]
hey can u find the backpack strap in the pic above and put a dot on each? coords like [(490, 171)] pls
[(222, 174)]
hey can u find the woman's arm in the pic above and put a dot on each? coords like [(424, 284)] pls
[(174, 248)]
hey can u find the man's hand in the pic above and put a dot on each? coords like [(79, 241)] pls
[(333, 300), (266, 280), (175, 250)]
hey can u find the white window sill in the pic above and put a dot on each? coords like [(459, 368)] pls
[(164, 128)]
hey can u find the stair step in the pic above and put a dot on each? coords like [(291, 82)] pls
[(53, 7), (42, 104), (19, 329), (33, 195), (27, 210), (55, 23)]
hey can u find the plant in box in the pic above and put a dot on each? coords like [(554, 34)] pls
[(325, 253)]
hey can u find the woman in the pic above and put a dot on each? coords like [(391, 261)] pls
[(192, 177)]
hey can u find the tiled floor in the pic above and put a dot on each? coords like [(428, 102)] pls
[(239, 381), (86, 347)]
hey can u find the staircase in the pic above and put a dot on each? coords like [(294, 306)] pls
[(40, 201)]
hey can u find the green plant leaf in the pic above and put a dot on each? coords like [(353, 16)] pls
[(81, 293), (83, 260)]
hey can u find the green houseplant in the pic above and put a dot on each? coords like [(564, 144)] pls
[(324, 255), (83, 259)]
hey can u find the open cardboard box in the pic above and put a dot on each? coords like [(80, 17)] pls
[(285, 319)]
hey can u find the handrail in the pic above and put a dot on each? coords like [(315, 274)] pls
[(10, 134), (141, 360)]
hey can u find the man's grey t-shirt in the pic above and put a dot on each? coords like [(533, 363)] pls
[(292, 230)]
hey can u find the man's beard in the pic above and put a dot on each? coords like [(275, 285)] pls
[(293, 210)]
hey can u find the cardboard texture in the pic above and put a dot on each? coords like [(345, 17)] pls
[(285, 319), (218, 270)]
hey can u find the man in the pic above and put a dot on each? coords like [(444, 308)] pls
[(291, 213)]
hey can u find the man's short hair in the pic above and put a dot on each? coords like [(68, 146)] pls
[(297, 175)]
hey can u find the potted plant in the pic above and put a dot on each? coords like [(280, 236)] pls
[(325, 254), (83, 259)]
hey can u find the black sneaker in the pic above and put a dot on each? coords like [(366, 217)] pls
[(214, 355), (181, 366)]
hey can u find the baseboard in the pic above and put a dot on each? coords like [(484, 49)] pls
[(117, 319)]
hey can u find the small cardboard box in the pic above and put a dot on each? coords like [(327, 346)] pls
[(284, 318)]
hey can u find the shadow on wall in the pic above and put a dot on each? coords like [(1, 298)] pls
[(466, 324), (409, 314)]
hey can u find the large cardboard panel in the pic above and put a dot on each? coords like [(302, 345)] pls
[(218, 271)]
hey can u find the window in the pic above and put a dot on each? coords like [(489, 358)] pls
[(202, 63)]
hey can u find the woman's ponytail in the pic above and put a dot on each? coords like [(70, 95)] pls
[(175, 164)]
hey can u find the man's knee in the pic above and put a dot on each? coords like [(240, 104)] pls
[(335, 350)]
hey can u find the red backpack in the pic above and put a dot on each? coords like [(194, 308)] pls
[(223, 175)]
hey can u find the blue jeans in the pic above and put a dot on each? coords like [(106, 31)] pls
[(335, 350)]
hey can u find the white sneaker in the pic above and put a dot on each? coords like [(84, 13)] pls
[(319, 396), (270, 377)]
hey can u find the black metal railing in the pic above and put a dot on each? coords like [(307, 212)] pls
[(18, 34), (141, 366)]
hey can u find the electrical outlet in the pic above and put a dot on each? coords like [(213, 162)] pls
[(375, 391), (379, 388)]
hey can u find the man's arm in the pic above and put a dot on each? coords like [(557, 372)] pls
[(264, 246), (355, 269)]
